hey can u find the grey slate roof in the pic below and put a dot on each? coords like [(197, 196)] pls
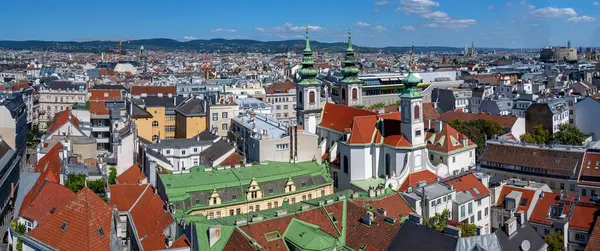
[(192, 107), (217, 150), (434, 190), (412, 237), (524, 232), (157, 155), (155, 101), (26, 182), (462, 198), (179, 143), (139, 112), (206, 135)]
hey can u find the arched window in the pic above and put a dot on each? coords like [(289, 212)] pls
[(417, 112), (155, 138), (388, 170), (311, 97), (155, 123), (354, 94), (345, 164), (335, 181), (343, 93)]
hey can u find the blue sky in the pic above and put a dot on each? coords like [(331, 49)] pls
[(489, 23)]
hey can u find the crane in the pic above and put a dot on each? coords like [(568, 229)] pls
[(121, 47)]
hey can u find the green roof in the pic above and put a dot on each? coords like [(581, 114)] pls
[(202, 237), (307, 236), (178, 186)]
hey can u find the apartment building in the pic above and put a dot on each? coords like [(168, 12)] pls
[(550, 115), (155, 117), (282, 96), (221, 114), (58, 96)]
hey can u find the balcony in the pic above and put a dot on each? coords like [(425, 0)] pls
[(100, 128)]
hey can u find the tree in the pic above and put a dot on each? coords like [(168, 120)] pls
[(569, 135), (98, 186), (478, 131), (75, 182), (468, 229), (438, 221), (112, 176), (377, 106), (539, 136), (555, 241)]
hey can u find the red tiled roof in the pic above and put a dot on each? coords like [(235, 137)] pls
[(238, 242), (363, 129), (526, 194), (98, 108), (591, 164), (505, 121), (414, 178), (153, 90), (447, 140), (469, 182), (43, 199), (125, 195), (393, 134), (339, 117), (51, 161), (360, 236), (150, 219), (583, 215), (133, 175), (84, 216), (103, 95), (182, 241), (61, 118), (233, 159), (430, 112), (594, 241), (282, 88), (394, 205), (542, 207)]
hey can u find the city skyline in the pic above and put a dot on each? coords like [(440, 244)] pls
[(491, 24)]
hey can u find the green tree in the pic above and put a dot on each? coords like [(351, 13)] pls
[(98, 186), (75, 106), (30, 137), (75, 182), (569, 135), (539, 136), (438, 221), (478, 131), (468, 229), (377, 106), (555, 241), (87, 105), (19, 228), (112, 176)]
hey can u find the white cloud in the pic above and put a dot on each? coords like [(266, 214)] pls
[(535, 25), (376, 10), (582, 19), (508, 4), (362, 24), (524, 2), (223, 30), (531, 7), (596, 3), (417, 6), (379, 28), (408, 28), (189, 38), (380, 3), (551, 12), (288, 28), (491, 7), (436, 16), (452, 23)]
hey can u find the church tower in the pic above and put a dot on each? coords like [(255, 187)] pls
[(350, 88), (308, 92), (412, 111)]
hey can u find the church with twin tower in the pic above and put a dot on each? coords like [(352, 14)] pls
[(364, 147)]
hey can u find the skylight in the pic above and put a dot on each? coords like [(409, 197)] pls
[(100, 231), (523, 202), (63, 226), (476, 191)]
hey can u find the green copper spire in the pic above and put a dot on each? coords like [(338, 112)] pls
[(350, 70), (410, 86), (308, 73)]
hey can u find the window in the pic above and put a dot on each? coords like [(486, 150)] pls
[(155, 138), (257, 207), (572, 187), (276, 203), (253, 194), (486, 211), (282, 147), (478, 215), (562, 186), (335, 179), (417, 112), (551, 184), (168, 151), (195, 150), (583, 192), (231, 212), (462, 211), (224, 115), (430, 156), (579, 236), (269, 205), (310, 196), (523, 202), (210, 215), (285, 114), (311, 97), (251, 208), (170, 128), (155, 123), (285, 107), (100, 231), (343, 93), (433, 204), (470, 206), (345, 164), (472, 219), (418, 133), (224, 126), (293, 200), (170, 117), (278, 115), (64, 225), (218, 214), (354, 94), (215, 116), (303, 197), (277, 107), (546, 231), (214, 201), (453, 159), (322, 193), (439, 201)]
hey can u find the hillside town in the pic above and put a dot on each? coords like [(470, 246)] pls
[(300, 150)]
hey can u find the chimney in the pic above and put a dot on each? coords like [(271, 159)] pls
[(438, 125), (510, 226), (452, 231), (414, 218), (367, 218), (520, 215)]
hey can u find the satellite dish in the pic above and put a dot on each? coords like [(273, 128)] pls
[(525, 245)]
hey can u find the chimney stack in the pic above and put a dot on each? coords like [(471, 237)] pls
[(520, 215)]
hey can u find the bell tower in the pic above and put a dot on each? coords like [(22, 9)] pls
[(308, 92), (411, 106), (350, 88)]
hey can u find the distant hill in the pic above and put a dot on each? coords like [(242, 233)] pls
[(211, 45)]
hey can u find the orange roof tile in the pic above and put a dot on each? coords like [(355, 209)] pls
[(583, 215), (394, 205), (182, 241), (103, 95), (233, 159), (45, 197), (526, 194), (83, 217), (280, 88), (153, 90), (133, 175), (61, 118), (51, 161), (338, 117), (150, 219), (594, 241), (591, 164), (542, 207), (238, 241), (360, 236), (414, 178), (469, 182), (393, 134), (446, 140), (125, 195), (98, 108)]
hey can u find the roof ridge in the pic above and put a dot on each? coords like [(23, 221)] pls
[(140, 197)]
